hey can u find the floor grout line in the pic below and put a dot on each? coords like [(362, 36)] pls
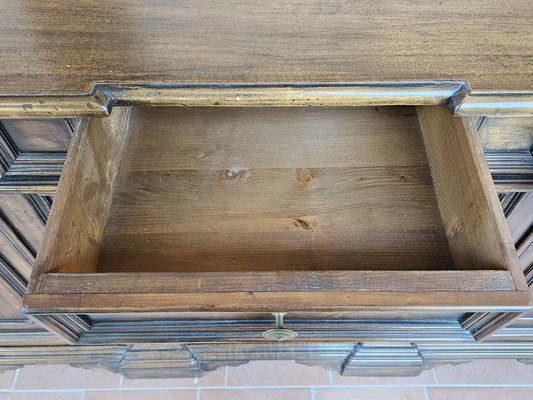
[(198, 394), (330, 376), (313, 393), (15, 379), (120, 381), (83, 395), (434, 376), (426, 394), (397, 386)]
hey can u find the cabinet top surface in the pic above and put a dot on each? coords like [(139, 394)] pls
[(65, 47)]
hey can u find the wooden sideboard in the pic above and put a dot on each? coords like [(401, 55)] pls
[(186, 186)]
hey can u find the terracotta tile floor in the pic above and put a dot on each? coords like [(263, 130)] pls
[(274, 380)]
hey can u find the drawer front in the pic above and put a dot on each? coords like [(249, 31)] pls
[(270, 327)]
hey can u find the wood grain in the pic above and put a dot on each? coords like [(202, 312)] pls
[(506, 134), (313, 191), (63, 47), (226, 138), (39, 135), (279, 281), (276, 302), (260, 189), (10, 301), (72, 236), (135, 48), (475, 224), (17, 210)]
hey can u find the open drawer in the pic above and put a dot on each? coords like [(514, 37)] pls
[(270, 209)]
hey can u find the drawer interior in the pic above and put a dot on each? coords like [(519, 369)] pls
[(261, 189), (247, 200)]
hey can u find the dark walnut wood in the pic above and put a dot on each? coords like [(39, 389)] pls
[(92, 55), (62, 47)]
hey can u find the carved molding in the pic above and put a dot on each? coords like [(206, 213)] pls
[(25, 333), (228, 330), (481, 325), (41, 205), (182, 360), (8, 150), (33, 173), (104, 95), (509, 201), (23, 343), (375, 359), (15, 274), (108, 357), (159, 361), (69, 327), (14, 245), (330, 355), (28, 172), (511, 171), (518, 210), (12, 277)]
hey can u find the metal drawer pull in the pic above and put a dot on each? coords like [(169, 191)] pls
[(279, 333)]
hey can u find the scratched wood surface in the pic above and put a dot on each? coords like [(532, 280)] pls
[(61, 46)]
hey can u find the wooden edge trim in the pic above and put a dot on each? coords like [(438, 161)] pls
[(99, 101), (103, 96), (501, 301), (46, 106), (519, 187), (492, 104), (350, 94), (279, 281)]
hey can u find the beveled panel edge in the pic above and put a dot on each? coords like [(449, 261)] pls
[(511, 171), (33, 173), (482, 325)]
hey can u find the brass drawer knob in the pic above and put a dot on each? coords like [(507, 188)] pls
[(279, 333)]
